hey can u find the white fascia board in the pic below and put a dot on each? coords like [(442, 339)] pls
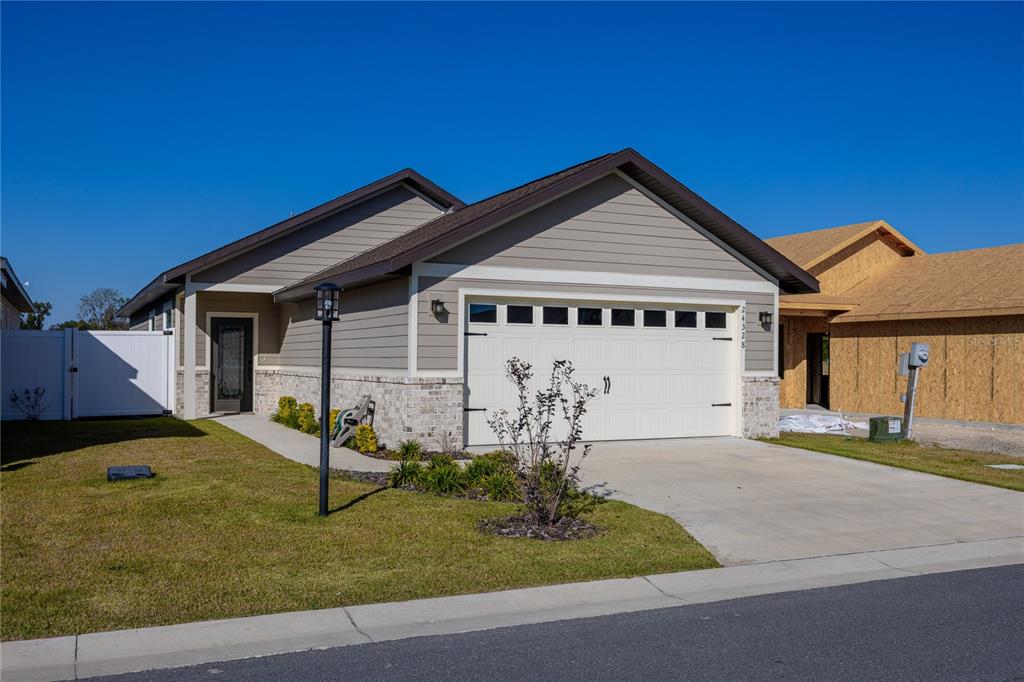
[(193, 287), (536, 275)]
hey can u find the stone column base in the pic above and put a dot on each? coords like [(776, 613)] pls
[(760, 407)]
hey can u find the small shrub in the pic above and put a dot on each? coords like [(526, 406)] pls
[(441, 458), (410, 449), (351, 443), (501, 486), (30, 403), (366, 439), (483, 466), (405, 473), (287, 412), (446, 444), (444, 478), (307, 421), (548, 465)]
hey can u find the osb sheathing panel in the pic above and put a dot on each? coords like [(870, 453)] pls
[(975, 372), (793, 388), (854, 264)]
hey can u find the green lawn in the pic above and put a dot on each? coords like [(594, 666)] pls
[(966, 465), (228, 528)]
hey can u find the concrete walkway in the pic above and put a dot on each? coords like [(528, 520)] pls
[(109, 653), (297, 446)]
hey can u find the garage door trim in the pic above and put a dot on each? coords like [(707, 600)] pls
[(467, 295)]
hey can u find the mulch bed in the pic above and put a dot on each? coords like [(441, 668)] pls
[(392, 456), (522, 527), (373, 477)]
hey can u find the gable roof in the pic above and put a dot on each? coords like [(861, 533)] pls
[(957, 284), (444, 231), (13, 290), (811, 248), (169, 280)]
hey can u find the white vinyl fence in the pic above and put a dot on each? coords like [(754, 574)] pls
[(88, 373)]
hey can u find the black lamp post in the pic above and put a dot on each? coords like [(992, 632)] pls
[(327, 311)]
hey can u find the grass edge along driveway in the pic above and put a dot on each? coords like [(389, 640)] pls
[(964, 465), (228, 528)]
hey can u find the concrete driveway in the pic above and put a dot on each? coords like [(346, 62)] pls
[(751, 502)]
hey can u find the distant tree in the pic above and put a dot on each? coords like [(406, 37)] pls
[(35, 318), (72, 324), (99, 309)]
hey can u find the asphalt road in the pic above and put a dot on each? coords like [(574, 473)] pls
[(966, 625)]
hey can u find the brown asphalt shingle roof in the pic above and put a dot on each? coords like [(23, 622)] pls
[(434, 236), (440, 228)]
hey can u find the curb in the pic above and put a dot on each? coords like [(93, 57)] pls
[(125, 651)]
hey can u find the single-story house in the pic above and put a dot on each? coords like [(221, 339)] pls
[(14, 300), (661, 301), (879, 293)]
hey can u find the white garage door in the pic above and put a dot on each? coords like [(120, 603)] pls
[(660, 371)]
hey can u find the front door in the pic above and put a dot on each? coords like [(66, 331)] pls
[(231, 364), (817, 369)]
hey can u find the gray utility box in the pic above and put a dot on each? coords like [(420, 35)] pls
[(885, 428)]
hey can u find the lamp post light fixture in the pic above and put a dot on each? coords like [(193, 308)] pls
[(437, 307), (765, 317), (328, 310)]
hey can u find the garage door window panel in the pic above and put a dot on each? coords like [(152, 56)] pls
[(589, 317), (483, 313), (519, 314), (655, 318), (623, 317), (556, 315), (714, 320), (686, 319)]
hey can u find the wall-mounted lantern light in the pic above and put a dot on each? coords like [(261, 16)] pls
[(437, 307), (328, 306), (328, 309), (765, 317)]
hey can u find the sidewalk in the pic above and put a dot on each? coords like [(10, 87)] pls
[(297, 446), (109, 653)]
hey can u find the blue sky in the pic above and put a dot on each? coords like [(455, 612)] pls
[(137, 136)]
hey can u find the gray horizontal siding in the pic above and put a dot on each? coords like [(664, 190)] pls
[(325, 243), (437, 341), (373, 331), (606, 226), (269, 332)]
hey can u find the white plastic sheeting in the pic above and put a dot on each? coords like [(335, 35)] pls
[(819, 423)]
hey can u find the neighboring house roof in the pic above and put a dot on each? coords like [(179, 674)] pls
[(170, 280), (808, 249), (435, 236), (13, 290), (958, 284)]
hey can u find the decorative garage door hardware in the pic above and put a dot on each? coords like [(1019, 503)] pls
[(607, 385), (721, 338), (721, 404), (476, 333), (474, 409)]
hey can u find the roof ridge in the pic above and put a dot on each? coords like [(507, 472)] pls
[(540, 179)]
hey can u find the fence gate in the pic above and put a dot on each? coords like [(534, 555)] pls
[(89, 373)]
